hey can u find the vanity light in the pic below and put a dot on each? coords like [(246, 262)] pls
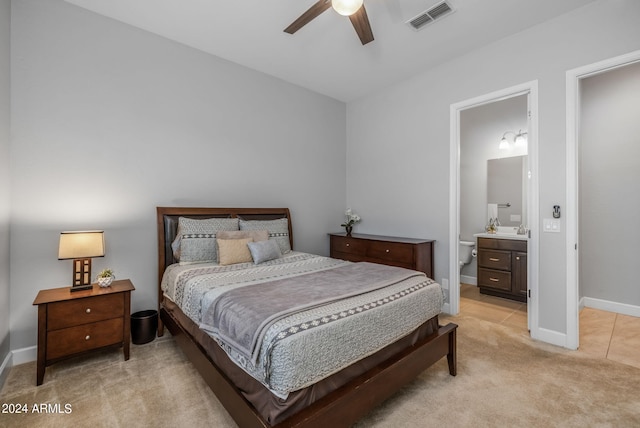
[(346, 7), (519, 139)]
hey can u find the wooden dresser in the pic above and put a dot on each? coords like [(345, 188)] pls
[(502, 268), (409, 253), (70, 324)]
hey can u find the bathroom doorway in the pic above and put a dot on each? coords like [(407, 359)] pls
[(477, 128)]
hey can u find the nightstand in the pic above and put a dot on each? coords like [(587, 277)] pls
[(70, 324)]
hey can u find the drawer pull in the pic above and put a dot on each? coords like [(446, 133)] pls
[(494, 279), (87, 337), (517, 258), (386, 251), (348, 245), (88, 310), (493, 259)]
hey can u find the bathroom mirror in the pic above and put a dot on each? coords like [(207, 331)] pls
[(507, 187)]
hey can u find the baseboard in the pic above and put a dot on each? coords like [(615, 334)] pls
[(446, 308), (550, 336), (24, 355), (4, 369), (466, 279), (606, 305)]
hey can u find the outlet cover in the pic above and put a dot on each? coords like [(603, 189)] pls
[(551, 225)]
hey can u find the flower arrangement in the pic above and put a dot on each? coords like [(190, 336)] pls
[(351, 220), (105, 277), (104, 273)]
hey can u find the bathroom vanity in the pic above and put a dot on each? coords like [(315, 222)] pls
[(502, 266)]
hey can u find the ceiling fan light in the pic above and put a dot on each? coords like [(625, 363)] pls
[(346, 7)]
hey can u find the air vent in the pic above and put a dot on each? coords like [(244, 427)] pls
[(438, 11)]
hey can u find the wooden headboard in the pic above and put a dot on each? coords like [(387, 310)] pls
[(167, 222)]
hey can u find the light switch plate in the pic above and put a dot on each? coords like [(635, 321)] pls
[(551, 225)]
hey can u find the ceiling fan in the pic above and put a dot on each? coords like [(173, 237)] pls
[(354, 9)]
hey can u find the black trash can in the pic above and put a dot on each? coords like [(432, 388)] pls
[(144, 325)]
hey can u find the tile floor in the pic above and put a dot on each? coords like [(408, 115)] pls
[(609, 335), (493, 309), (602, 334)]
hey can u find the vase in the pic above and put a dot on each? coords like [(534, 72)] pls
[(104, 281), (349, 229)]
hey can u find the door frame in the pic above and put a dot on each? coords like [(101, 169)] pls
[(531, 89), (573, 79)]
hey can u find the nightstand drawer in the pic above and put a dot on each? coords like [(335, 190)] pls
[(494, 259), (494, 279), (348, 245), (69, 341), (398, 253), (84, 311)]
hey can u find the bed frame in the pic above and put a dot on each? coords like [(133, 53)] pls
[(342, 407)]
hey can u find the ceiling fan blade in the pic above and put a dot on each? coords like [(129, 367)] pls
[(360, 22), (308, 16)]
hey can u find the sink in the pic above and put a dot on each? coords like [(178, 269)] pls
[(507, 230), (503, 232)]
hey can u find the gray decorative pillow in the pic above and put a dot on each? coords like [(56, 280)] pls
[(196, 239), (263, 251), (278, 230)]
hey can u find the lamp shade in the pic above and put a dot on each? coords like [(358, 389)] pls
[(81, 244), (346, 7)]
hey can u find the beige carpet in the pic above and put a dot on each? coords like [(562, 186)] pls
[(504, 380)]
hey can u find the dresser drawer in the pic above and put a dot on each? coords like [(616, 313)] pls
[(392, 251), (494, 279), (348, 245), (69, 341), (83, 311), (494, 259), (409, 253)]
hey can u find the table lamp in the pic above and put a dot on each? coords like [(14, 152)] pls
[(81, 246)]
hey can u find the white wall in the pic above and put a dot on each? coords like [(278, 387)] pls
[(609, 185), (110, 122), (5, 125), (398, 138)]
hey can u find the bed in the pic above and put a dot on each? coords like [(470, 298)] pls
[(259, 390)]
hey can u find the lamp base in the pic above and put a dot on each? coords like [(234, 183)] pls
[(81, 272), (81, 287)]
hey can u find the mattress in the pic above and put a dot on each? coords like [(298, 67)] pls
[(358, 324)]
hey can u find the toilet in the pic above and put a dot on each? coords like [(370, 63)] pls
[(466, 251)]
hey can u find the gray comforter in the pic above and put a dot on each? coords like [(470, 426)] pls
[(327, 314), (242, 316)]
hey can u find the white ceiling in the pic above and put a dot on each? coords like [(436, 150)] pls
[(326, 56)]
